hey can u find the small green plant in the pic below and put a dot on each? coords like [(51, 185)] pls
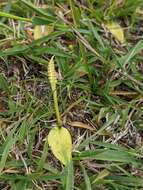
[(59, 138)]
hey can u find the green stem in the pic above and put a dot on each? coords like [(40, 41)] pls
[(59, 122), (7, 15)]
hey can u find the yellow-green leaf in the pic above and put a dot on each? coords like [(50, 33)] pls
[(116, 30), (41, 31), (37, 32), (59, 140), (101, 175)]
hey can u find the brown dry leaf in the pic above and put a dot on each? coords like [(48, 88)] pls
[(123, 93), (81, 125)]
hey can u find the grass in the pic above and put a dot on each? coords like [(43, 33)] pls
[(100, 84)]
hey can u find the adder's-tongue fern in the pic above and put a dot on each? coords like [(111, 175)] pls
[(53, 82)]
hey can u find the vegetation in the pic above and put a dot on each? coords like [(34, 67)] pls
[(98, 55)]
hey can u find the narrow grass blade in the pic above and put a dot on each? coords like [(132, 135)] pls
[(4, 84), (69, 177), (44, 156), (19, 49), (101, 175), (135, 50), (86, 179), (11, 139), (129, 181), (96, 35), (34, 8), (7, 15), (109, 155), (30, 177), (43, 21)]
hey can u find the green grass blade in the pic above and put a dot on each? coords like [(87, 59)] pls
[(86, 179), (44, 156), (34, 8), (7, 15), (135, 50), (129, 181), (69, 176), (109, 155), (95, 33), (11, 139)]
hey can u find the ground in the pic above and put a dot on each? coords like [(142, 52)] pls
[(100, 93)]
